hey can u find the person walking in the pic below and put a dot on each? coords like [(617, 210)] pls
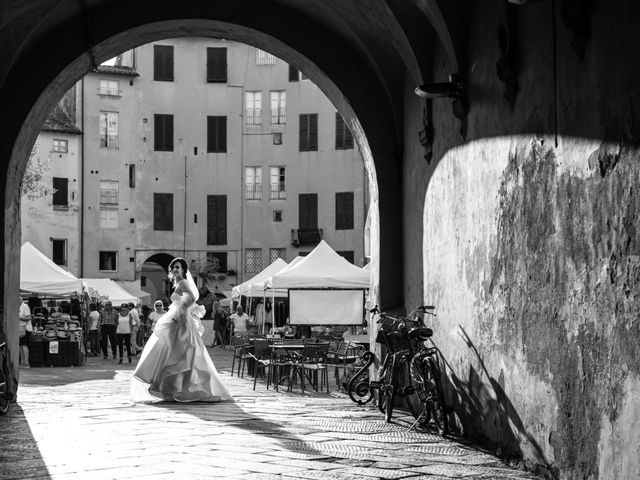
[(135, 316), (123, 332), (219, 324), (25, 328), (94, 318), (107, 325), (240, 322)]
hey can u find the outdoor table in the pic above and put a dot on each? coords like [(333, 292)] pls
[(362, 339), (290, 350)]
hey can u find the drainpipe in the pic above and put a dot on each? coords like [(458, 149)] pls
[(184, 232), (82, 179), (240, 270)]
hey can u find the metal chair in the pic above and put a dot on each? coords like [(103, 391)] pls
[(261, 356), (345, 354), (312, 360), (239, 345)]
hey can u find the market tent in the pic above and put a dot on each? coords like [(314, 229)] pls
[(40, 275), (253, 286), (321, 268), (105, 287), (134, 289), (262, 285)]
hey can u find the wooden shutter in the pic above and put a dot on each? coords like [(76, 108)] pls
[(294, 75), (163, 211), (344, 139), (163, 63), (163, 133), (308, 132), (313, 132), (61, 191), (344, 211), (304, 133), (216, 134), (216, 219), (308, 211), (216, 65)]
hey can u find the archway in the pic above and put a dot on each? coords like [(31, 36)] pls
[(153, 275)]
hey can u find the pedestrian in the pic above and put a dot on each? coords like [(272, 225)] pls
[(107, 324), (123, 331), (25, 328), (219, 324), (240, 322), (158, 311), (136, 326), (94, 318)]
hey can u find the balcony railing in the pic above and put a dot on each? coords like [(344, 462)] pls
[(305, 236), (109, 141), (277, 192), (253, 191)]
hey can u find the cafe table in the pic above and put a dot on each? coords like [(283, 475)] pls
[(290, 350)]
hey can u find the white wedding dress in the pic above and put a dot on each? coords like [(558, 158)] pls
[(175, 365)]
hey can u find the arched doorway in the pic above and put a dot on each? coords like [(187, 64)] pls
[(153, 275)]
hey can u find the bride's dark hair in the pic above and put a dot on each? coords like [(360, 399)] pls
[(185, 268)]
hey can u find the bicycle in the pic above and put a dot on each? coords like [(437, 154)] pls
[(409, 370), (5, 389)]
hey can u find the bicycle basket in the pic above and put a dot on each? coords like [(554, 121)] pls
[(397, 341)]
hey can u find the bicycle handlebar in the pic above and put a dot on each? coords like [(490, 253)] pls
[(422, 308)]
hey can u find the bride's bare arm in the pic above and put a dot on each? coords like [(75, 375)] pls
[(183, 290)]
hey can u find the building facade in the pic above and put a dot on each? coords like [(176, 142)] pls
[(215, 151)]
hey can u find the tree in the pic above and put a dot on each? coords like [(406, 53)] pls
[(33, 184)]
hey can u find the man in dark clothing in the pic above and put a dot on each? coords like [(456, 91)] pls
[(107, 324)]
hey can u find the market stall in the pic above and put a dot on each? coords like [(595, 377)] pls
[(106, 288), (57, 338), (134, 289), (323, 289)]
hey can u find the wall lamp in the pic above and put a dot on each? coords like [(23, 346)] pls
[(450, 89)]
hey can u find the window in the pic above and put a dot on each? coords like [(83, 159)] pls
[(217, 261), (253, 183), (109, 129), (344, 139), (163, 63), (59, 251), (346, 254), (308, 211), (60, 146), (344, 211), (277, 215), (253, 260), (278, 106), (296, 75), (216, 134), (216, 219), (108, 218), (109, 203), (163, 211), (276, 253), (309, 132), (264, 58), (277, 138), (60, 192), (109, 88), (253, 103), (163, 133), (216, 65), (108, 261), (132, 176), (277, 182)]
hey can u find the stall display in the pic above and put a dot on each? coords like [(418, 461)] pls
[(59, 343)]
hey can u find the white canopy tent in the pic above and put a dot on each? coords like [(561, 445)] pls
[(105, 287), (254, 286), (38, 274), (134, 289), (320, 280)]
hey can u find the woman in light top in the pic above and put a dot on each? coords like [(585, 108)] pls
[(123, 331)]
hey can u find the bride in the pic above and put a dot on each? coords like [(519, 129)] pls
[(175, 365)]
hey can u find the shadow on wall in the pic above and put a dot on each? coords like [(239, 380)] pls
[(482, 413)]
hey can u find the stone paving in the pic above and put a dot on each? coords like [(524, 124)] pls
[(79, 423)]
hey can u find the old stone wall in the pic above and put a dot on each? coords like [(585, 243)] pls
[(529, 243)]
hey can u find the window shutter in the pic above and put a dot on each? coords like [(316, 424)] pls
[(308, 211), (313, 132), (216, 219), (339, 131), (163, 63), (216, 134), (217, 65), (304, 133), (60, 194), (344, 211), (163, 211), (294, 75), (163, 133)]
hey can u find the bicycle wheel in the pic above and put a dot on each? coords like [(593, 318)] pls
[(435, 396), (5, 395), (387, 390), (415, 395)]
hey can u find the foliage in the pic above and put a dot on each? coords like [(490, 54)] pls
[(33, 182), (205, 269)]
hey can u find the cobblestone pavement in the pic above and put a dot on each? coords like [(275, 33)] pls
[(79, 423)]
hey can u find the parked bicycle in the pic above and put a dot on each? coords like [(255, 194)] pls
[(5, 389), (409, 370)]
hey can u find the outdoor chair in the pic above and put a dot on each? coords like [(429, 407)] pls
[(281, 361), (346, 353), (311, 363), (238, 344), (261, 357)]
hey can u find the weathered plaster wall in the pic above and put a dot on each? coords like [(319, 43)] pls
[(530, 248)]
